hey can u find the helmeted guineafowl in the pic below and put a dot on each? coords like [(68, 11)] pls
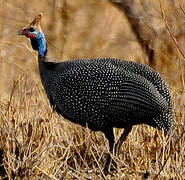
[(103, 93)]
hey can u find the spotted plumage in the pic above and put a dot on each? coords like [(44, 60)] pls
[(103, 93), (99, 93)]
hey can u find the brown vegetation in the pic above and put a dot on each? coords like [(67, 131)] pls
[(36, 143)]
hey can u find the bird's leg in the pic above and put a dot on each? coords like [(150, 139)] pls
[(109, 134), (122, 138)]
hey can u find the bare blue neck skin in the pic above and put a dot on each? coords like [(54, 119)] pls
[(42, 46)]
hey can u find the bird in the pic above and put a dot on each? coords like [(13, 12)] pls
[(103, 93)]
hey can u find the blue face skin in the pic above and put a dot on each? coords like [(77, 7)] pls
[(42, 43), (39, 36)]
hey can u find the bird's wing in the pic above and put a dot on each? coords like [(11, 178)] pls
[(149, 74), (133, 98)]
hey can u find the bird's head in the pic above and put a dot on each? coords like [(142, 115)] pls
[(34, 32)]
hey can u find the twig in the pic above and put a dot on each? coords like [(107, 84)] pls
[(172, 151), (170, 31), (44, 172), (182, 9), (103, 175)]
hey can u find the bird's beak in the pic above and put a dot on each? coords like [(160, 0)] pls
[(21, 32)]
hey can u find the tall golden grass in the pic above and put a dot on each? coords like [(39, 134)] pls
[(35, 142)]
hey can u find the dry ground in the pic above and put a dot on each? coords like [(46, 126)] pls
[(36, 143)]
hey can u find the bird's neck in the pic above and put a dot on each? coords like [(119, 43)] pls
[(42, 45)]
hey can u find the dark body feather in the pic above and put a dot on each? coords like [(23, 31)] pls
[(107, 93)]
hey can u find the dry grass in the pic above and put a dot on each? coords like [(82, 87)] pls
[(35, 142)]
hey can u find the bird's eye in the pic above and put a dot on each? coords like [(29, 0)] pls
[(31, 29)]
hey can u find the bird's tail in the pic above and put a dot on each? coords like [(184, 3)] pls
[(166, 122)]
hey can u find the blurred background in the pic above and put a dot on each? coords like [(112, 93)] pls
[(138, 30)]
